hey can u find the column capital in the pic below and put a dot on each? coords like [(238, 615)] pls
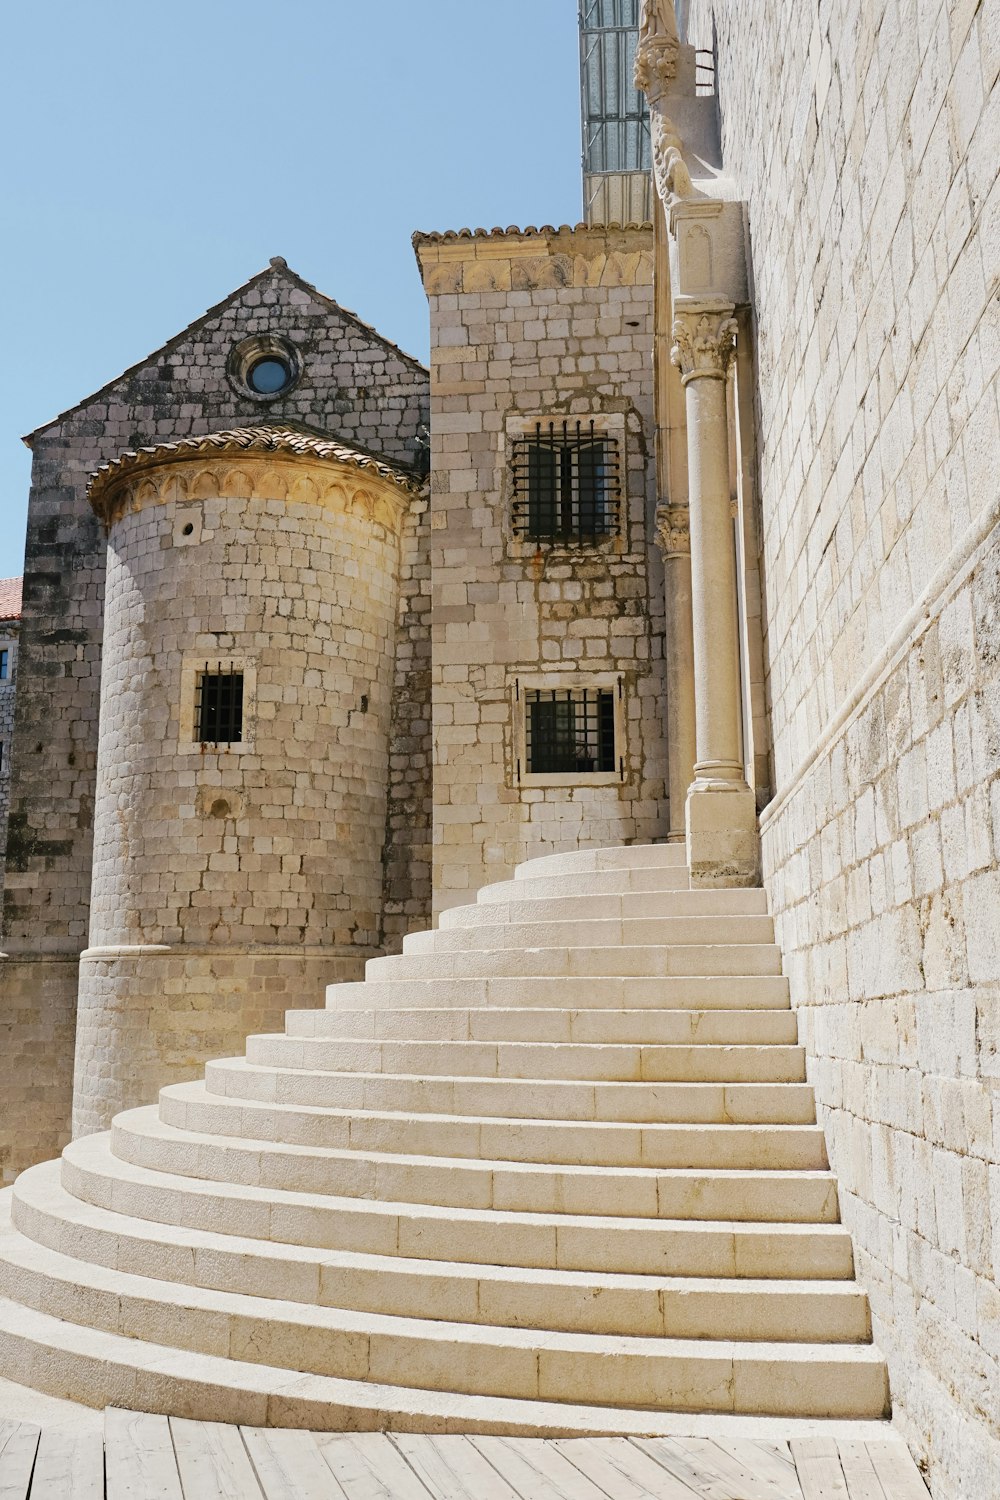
[(704, 340), (673, 530)]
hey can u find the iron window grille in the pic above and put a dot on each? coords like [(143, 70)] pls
[(219, 705), (569, 731), (567, 484)]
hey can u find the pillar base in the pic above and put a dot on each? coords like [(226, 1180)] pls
[(723, 847)]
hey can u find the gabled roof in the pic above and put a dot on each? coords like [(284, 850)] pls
[(10, 598), (277, 264), (248, 440)]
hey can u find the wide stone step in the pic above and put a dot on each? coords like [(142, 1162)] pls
[(617, 1370), (756, 1246), (581, 1061), (594, 883), (505, 1098), (102, 1369), (189, 1106), (573, 992), (550, 1299), (617, 857), (521, 906), (591, 932), (715, 961), (519, 1024), (736, 1171)]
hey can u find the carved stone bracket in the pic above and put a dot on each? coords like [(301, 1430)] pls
[(704, 342), (658, 47), (655, 67), (673, 530)]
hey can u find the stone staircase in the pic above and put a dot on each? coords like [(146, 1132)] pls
[(553, 1170)]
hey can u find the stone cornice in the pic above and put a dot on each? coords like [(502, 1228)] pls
[(278, 477), (520, 260), (247, 463)]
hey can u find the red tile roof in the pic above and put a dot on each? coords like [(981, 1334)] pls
[(10, 598)]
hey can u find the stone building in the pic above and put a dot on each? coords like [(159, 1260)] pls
[(10, 625), (686, 539)]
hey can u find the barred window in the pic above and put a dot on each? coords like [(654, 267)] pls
[(569, 731), (567, 484), (219, 705)]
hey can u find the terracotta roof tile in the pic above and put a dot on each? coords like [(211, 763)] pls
[(439, 237), (249, 439), (10, 598)]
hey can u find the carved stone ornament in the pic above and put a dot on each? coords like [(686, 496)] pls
[(659, 45), (673, 530), (704, 343), (655, 66), (673, 180), (345, 490)]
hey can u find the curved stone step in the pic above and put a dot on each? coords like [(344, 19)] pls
[(773, 1171), (609, 857), (612, 961), (616, 857), (549, 1299), (501, 1098), (189, 1106), (581, 1062), (525, 1364), (101, 1369), (643, 879), (626, 992), (698, 1245), (591, 932), (757, 1028)]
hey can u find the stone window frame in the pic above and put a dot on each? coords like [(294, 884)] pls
[(192, 664), (609, 424), (9, 644), (572, 681), (244, 355)]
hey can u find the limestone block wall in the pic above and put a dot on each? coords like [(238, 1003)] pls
[(354, 384), (552, 325), (864, 141), (232, 881), (9, 630), (406, 898)]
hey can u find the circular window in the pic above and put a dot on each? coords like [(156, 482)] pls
[(264, 368), (268, 376)]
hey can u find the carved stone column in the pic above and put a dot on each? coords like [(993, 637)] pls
[(721, 814), (674, 537)]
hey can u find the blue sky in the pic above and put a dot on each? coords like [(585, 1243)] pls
[(156, 155)]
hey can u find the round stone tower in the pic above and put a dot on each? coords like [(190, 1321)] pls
[(249, 626)]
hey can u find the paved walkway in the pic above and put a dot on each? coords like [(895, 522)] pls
[(140, 1457)]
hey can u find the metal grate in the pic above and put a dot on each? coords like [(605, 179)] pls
[(567, 484), (569, 731), (219, 705)]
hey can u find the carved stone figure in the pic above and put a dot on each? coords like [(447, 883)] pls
[(659, 44)]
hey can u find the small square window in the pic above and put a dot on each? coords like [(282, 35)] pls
[(219, 706), (567, 484), (4, 665), (569, 731)]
